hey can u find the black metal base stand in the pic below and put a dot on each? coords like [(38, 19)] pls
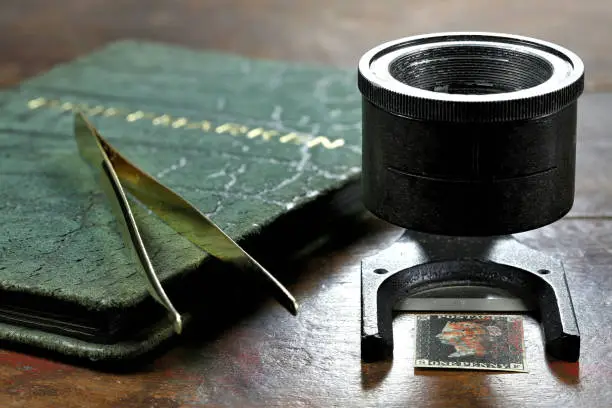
[(420, 262)]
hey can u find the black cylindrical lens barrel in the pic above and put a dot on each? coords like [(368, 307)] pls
[(469, 133)]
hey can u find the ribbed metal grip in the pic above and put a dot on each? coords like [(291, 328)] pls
[(496, 77)]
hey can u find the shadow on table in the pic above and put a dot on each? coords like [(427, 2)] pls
[(567, 373)]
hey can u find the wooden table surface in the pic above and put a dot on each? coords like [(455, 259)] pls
[(271, 358)]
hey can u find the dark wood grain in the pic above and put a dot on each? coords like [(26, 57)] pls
[(269, 358), (36, 34)]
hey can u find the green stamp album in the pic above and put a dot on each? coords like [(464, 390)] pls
[(270, 151)]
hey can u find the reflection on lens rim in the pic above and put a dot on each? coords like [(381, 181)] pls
[(379, 87)]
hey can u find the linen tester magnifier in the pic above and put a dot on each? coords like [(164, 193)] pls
[(468, 138)]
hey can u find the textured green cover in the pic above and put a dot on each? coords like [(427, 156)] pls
[(245, 141)]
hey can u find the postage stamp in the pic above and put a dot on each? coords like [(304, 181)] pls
[(473, 342)]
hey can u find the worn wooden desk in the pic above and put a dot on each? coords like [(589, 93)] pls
[(270, 358)]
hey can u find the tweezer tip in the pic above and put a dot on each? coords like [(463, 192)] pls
[(178, 323), (292, 306)]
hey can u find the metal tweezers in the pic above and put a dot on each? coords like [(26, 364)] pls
[(115, 173)]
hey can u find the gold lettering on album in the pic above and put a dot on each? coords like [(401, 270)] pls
[(165, 120), (110, 112), (96, 110), (263, 133), (179, 123), (325, 142), (134, 116), (206, 125), (288, 137), (233, 129), (162, 120), (67, 106)]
